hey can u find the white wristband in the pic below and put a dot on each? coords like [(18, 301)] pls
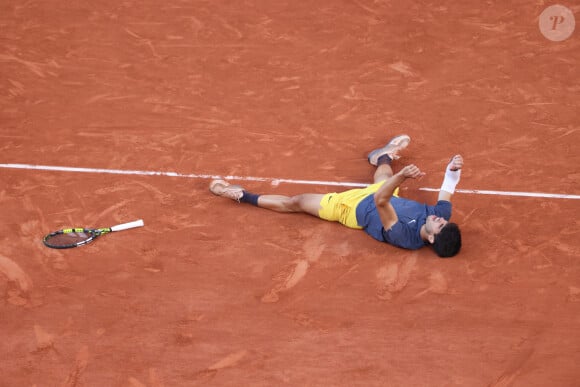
[(451, 179)]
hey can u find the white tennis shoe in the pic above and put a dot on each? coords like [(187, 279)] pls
[(226, 190), (393, 147)]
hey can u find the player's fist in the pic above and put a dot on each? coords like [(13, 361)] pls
[(456, 163), (411, 171)]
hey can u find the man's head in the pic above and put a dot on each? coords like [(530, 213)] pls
[(444, 236)]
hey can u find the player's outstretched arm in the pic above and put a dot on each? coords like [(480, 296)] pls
[(383, 195), (452, 176)]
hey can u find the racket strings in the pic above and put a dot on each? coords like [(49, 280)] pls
[(69, 238)]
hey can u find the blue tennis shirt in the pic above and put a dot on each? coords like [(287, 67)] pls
[(412, 216)]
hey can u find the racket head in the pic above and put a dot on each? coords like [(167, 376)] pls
[(71, 237)]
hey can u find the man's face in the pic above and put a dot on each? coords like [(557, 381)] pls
[(434, 224)]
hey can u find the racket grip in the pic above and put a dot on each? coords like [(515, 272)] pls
[(125, 226)]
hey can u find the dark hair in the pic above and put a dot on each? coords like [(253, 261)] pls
[(448, 242)]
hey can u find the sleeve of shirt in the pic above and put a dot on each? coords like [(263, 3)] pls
[(400, 235), (443, 209)]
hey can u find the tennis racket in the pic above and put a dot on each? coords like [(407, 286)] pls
[(74, 237)]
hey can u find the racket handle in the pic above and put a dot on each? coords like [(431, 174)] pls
[(125, 226)]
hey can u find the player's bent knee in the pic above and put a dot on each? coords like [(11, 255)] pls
[(308, 203), (295, 203)]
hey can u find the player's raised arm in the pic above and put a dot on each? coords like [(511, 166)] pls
[(452, 176), (383, 195)]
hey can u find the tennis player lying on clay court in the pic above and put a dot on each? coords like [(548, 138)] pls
[(377, 209)]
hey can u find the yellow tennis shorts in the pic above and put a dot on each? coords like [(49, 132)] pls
[(341, 207)]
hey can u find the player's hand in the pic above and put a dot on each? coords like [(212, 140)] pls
[(412, 171), (456, 163)]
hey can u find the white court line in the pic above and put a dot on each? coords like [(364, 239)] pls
[(272, 180)]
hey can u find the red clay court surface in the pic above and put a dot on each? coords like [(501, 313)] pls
[(214, 293)]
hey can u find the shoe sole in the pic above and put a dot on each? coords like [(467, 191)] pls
[(224, 183), (216, 182), (398, 142)]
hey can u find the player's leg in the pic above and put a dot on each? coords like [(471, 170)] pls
[(307, 203), (382, 173), (311, 203)]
